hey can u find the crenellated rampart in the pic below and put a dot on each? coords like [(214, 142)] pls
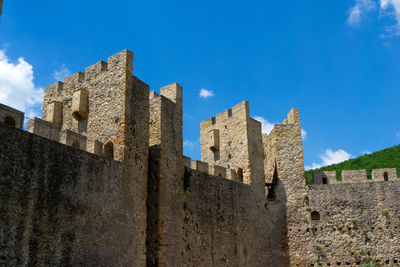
[(354, 176), (136, 200)]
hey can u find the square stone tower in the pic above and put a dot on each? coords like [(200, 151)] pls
[(104, 110), (233, 140)]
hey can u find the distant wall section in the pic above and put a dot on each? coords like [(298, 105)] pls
[(348, 224)]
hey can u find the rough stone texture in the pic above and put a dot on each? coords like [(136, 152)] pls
[(165, 180), (187, 162), (233, 140), (379, 174), (284, 166), (354, 176), (226, 223), (200, 166), (231, 175), (113, 107), (7, 113), (358, 222), (71, 138), (44, 129), (217, 171), (54, 113), (329, 175), (61, 206)]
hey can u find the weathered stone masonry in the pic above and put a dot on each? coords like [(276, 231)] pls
[(101, 180)]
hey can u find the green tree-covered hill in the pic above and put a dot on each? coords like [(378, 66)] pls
[(386, 158)]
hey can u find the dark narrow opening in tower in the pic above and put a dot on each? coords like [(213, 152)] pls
[(76, 144), (240, 174), (271, 188), (213, 120), (315, 216), (9, 121), (324, 180), (385, 176), (109, 150)]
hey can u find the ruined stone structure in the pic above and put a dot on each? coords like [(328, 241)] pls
[(101, 180)]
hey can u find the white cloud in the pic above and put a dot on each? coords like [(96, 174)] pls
[(188, 143), (391, 8), (388, 8), (330, 157), (398, 134), (16, 84), (61, 73), (204, 93), (364, 152), (357, 11), (266, 126)]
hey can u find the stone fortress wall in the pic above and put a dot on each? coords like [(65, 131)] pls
[(355, 176), (61, 206), (136, 200), (349, 223)]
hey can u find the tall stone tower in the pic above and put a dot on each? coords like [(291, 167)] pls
[(284, 153), (284, 169), (233, 140), (165, 184), (105, 111)]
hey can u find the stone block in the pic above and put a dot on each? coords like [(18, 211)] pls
[(95, 147), (44, 129), (200, 166), (217, 171), (231, 175), (386, 174), (213, 136), (354, 176), (73, 139), (54, 113), (325, 177), (80, 104)]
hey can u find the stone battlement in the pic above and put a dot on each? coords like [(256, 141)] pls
[(240, 109), (214, 170), (136, 200), (355, 176)]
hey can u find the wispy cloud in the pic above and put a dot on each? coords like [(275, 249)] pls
[(398, 134), (61, 72), (204, 93), (330, 157), (391, 8), (189, 144), (387, 8), (357, 11), (266, 126), (17, 88)]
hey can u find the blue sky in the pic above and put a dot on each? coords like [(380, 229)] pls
[(337, 61)]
